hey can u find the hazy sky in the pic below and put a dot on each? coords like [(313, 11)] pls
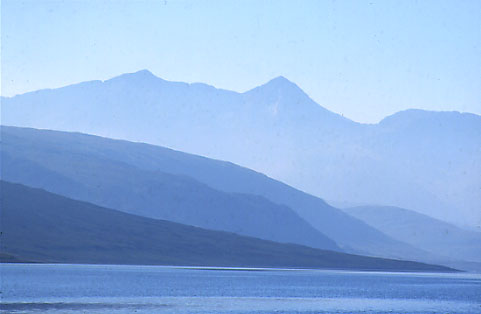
[(363, 59)]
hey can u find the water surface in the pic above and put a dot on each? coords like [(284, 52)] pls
[(41, 288)]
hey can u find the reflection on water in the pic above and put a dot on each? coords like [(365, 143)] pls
[(154, 289)]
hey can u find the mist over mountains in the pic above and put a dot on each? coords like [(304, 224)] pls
[(426, 161)]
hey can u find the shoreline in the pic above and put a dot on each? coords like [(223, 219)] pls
[(241, 268)]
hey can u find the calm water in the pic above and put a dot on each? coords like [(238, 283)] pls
[(153, 289)]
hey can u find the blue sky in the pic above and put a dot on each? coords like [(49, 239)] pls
[(363, 59)]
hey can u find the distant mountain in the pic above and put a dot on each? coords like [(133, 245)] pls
[(45, 227), (419, 230), (427, 161), (161, 183)]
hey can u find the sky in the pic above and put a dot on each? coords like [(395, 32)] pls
[(362, 59)]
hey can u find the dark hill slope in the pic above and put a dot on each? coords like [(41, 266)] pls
[(42, 226), (162, 196)]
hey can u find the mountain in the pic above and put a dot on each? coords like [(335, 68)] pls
[(153, 194), (426, 161), (46, 227), (429, 234), (162, 183)]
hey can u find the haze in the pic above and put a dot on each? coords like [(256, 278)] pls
[(213, 156)]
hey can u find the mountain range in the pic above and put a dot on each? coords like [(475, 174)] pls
[(73, 170), (161, 183), (426, 161), (44, 227)]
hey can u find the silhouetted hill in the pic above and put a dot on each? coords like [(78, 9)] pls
[(42, 226)]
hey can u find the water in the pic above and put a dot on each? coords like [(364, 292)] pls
[(155, 289)]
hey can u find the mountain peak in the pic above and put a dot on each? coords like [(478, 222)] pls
[(281, 81), (280, 94), (144, 72), (278, 85), (139, 76)]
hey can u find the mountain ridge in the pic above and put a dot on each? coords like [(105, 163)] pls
[(284, 134), (277, 81)]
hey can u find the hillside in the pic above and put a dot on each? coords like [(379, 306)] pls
[(159, 195), (161, 183), (41, 226)]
